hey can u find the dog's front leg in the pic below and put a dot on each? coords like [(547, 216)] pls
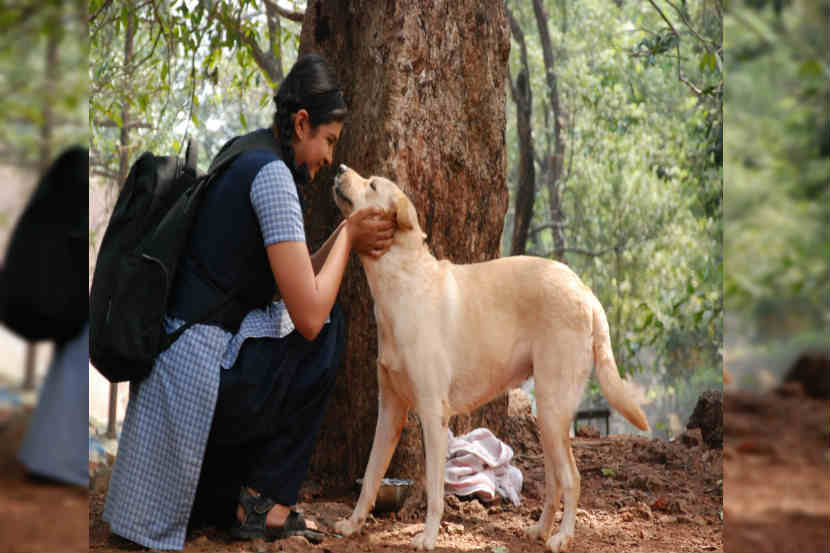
[(391, 417), (434, 423)]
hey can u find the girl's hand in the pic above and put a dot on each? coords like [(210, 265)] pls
[(371, 231)]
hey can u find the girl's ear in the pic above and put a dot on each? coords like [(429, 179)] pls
[(301, 124)]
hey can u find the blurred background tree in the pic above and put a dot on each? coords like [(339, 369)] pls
[(43, 111), (777, 170), (43, 87)]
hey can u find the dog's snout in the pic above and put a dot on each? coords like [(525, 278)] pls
[(341, 169)]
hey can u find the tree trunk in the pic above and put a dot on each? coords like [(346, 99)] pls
[(554, 163), (425, 87), (526, 189)]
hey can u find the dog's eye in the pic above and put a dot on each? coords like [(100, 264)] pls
[(372, 184)]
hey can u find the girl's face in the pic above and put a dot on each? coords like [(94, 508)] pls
[(314, 146)]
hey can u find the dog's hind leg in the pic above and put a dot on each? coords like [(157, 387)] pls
[(434, 422), (559, 387), (568, 480), (392, 412), (561, 479), (553, 495)]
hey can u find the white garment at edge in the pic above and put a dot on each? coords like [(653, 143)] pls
[(479, 463), (57, 443)]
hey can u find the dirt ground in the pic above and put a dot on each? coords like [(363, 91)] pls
[(36, 515), (637, 494), (776, 457)]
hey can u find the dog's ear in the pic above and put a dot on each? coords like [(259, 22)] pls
[(405, 213)]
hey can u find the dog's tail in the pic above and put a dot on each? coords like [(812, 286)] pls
[(613, 387)]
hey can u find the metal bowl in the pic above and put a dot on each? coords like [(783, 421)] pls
[(391, 495)]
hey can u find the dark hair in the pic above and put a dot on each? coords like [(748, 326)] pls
[(311, 85)]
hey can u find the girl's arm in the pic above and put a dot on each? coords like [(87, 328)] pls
[(309, 297)]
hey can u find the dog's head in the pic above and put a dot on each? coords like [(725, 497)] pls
[(353, 193)]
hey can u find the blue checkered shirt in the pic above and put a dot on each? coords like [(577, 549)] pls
[(169, 415)]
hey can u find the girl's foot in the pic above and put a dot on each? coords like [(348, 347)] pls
[(261, 517), (276, 516)]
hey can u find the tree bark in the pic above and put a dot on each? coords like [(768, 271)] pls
[(425, 87)]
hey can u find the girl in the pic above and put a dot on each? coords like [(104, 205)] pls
[(223, 428)]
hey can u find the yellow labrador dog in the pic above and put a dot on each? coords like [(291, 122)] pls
[(453, 337)]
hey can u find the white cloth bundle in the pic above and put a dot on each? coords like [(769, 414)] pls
[(478, 464)]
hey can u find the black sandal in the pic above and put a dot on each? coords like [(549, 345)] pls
[(256, 512)]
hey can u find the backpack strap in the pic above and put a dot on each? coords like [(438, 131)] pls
[(262, 139), (168, 339)]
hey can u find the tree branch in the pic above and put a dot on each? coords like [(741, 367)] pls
[(130, 125), (620, 245), (680, 74), (688, 24), (260, 57), (516, 32), (104, 6), (152, 51), (167, 39), (549, 226), (288, 14)]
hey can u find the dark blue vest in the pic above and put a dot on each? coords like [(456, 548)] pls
[(226, 250)]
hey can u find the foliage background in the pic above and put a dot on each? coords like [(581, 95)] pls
[(777, 167), (43, 94), (43, 82)]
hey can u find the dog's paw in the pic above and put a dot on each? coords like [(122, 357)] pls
[(559, 542), (536, 532), (346, 527), (422, 542)]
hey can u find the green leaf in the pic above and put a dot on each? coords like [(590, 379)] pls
[(707, 61), (811, 68), (125, 15), (115, 116)]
